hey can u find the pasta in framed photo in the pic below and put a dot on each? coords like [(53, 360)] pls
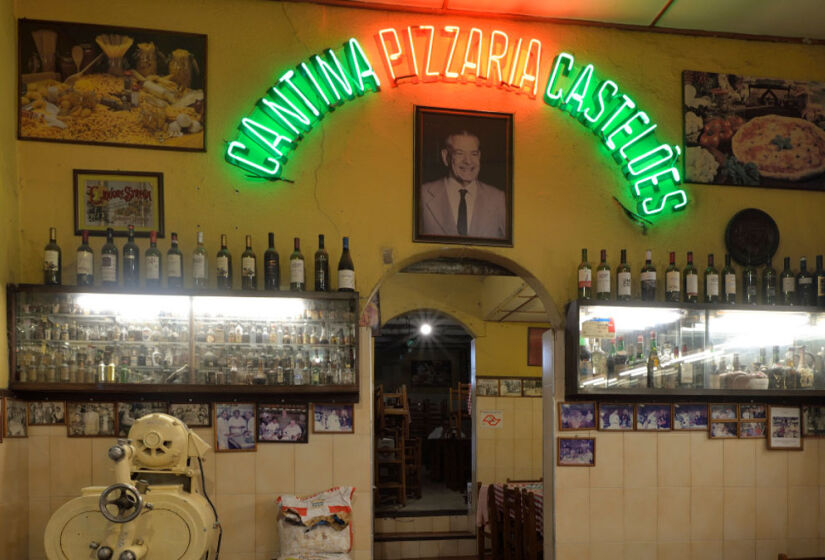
[(117, 200), (463, 177)]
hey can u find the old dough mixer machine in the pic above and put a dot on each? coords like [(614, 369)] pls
[(156, 509)]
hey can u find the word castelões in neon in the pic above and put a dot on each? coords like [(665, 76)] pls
[(422, 53), (625, 130), (295, 104)]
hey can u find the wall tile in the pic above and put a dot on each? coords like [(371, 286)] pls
[(769, 549), (640, 512), (573, 551), (523, 418), (609, 469), (275, 469), (505, 453), (640, 460), (38, 518), (707, 514), (103, 468), (674, 459), (771, 513), (39, 469), (410, 549), (740, 515), (674, 517), (803, 466), (612, 550), (441, 523), (235, 473), (634, 550), (803, 512), (706, 460), (802, 547), (522, 458), (706, 550), (349, 468), (392, 550), (572, 517), (313, 460), (740, 550), (740, 462), (71, 465), (238, 525), (674, 551), (606, 508), (266, 525), (428, 549), (771, 467), (571, 477)]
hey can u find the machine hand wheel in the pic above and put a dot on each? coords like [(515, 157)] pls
[(129, 503)]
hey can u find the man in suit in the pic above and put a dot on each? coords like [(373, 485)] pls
[(459, 205)]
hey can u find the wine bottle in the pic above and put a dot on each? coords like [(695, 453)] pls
[(200, 265), (52, 261), (108, 260), (805, 288), (297, 271), (728, 281), (623, 279), (654, 372), (820, 284), (346, 270), (691, 280), (711, 282), (673, 280), (85, 261), (151, 259), (131, 261), (603, 278), (749, 285), (648, 278), (223, 264), (272, 266), (174, 265), (585, 278), (769, 284), (787, 281), (249, 267), (321, 267)]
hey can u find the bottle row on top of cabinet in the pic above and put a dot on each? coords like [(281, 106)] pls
[(113, 261), (806, 288)]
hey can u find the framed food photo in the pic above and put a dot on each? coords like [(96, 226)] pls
[(118, 199), (463, 177), (333, 419), (111, 85), (785, 427), (753, 131)]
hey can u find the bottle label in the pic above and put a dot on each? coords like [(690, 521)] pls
[(296, 271), (603, 281), (248, 267), (806, 280), (199, 266), (686, 374), (108, 268), (788, 285), (222, 264), (623, 280), (585, 278), (173, 266), (85, 263), (673, 281), (692, 284), (712, 284), (50, 260), (153, 267), (649, 277), (820, 286), (730, 283), (346, 279)]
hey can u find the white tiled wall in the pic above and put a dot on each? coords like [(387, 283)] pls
[(514, 450)]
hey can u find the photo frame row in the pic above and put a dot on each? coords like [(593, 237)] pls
[(508, 387)]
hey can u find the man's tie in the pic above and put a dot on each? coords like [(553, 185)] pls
[(462, 213)]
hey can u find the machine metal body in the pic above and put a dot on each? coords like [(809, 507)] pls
[(155, 510)]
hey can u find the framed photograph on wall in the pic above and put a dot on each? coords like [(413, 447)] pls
[(111, 85), (118, 199), (486, 387), (576, 452), (463, 177), (724, 411), (751, 430), (194, 415), (47, 413), (16, 424), (785, 427), (534, 354), (234, 427), (577, 416), (723, 429), (128, 412), (531, 387), (813, 424), (690, 416), (751, 411), (510, 387), (616, 417), (91, 419), (654, 417), (333, 419), (283, 423)]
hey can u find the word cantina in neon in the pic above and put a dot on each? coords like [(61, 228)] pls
[(420, 54)]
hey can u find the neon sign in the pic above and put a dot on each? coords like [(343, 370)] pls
[(302, 96)]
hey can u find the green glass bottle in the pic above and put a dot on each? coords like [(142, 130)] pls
[(585, 277), (603, 274)]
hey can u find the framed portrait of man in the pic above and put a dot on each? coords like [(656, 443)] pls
[(463, 177)]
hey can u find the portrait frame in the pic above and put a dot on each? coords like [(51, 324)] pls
[(35, 414), (319, 424), (723, 411), (78, 426), (750, 429), (509, 387), (19, 409), (45, 59), (297, 412), (730, 427), (238, 443), (643, 418), (785, 428), (432, 125), (181, 411), (534, 354), (487, 386), (136, 410), (753, 412), (531, 388), (813, 420), (607, 409), (691, 408), (97, 218), (581, 409), (564, 448)]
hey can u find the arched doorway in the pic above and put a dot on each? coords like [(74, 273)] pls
[(495, 300)]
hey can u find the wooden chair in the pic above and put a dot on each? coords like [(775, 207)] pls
[(533, 529), (390, 469), (493, 531), (525, 481), (412, 465), (392, 410), (512, 542)]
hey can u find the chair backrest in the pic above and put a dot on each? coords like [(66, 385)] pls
[(532, 528), (513, 524), (527, 481)]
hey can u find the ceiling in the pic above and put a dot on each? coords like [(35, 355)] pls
[(802, 19)]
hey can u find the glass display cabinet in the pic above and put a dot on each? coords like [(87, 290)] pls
[(77, 340), (650, 348)]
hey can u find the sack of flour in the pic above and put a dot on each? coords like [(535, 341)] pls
[(316, 527)]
